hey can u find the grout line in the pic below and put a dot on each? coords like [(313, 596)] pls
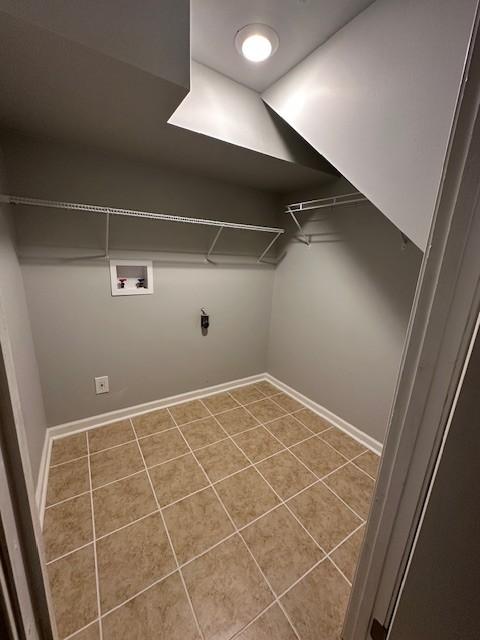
[(97, 580), (363, 470), (113, 446), (64, 555), (282, 501), (77, 495), (322, 478), (60, 464), (87, 626), (168, 536), (231, 535), (139, 593), (237, 530), (170, 504)]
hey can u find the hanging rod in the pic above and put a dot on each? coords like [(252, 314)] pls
[(133, 213), (321, 203)]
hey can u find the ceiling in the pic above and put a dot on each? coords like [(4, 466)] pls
[(62, 90), (302, 25)]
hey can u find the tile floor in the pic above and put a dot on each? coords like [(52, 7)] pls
[(240, 515)]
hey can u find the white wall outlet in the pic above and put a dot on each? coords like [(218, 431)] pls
[(101, 385)]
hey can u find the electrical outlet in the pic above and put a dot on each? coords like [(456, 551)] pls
[(101, 385)]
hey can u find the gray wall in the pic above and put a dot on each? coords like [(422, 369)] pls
[(17, 336), (378, 100), (150, 346), (340, 311), (441, 598)]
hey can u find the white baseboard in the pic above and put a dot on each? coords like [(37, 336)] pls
[(342, 424), (128, 412), (41, 489), (84, 424)]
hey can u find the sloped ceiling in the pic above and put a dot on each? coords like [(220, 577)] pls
[(378, 101), (117, 92)]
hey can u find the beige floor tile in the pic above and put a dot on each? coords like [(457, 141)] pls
[(312, 420), (122, 502), (237, 420), (353, 486), (271, 625), (346, 556), (287, 402), (153, 422), (267, 388), (67, 480), (188, 411), (68, 448), (160, 613), (203, 432), (176, 479), (226, 588), (288, 430), (110, 435), (266, 410), (247, 394), (115, 463), (258, 444), (67, 526), (246, 496), (346, 445), (131, 559), (286, 474), (221, 459), (282, 548), (317, 604), (163, 446), (220, 402), (324, 515), (73, 589), (92, 632), (369, 462), (196, 523), (318, 456)]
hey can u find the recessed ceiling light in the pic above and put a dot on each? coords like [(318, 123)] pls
[(256, 42)]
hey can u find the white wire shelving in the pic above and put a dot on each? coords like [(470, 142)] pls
[(321, 203), (133, 213)]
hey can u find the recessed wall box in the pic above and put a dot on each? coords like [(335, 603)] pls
[(131, 277)]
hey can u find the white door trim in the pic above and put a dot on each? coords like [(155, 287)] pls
[(443, 317)]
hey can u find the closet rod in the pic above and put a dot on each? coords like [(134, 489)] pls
[(90, 208), (321, 203)]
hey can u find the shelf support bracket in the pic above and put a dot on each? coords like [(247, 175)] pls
[(107, 236), (212, 246), (303, 238), (269, 246)]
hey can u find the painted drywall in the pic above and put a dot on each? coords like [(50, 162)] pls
[(150, 346), (441, 599), (155, 39), (17, 340), (340, 311), (221, 108), (378, 100)]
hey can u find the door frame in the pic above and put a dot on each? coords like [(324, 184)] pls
[(442, 322), (34, 618)]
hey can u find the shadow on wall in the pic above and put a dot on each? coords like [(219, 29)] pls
[(371, 243)]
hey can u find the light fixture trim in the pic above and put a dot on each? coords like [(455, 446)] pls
[(256, 43)]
